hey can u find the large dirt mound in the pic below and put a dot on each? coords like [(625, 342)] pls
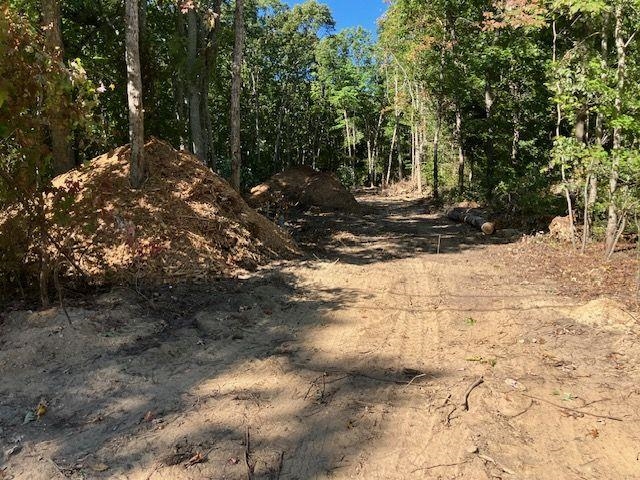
[(304, 187), (186, 223)]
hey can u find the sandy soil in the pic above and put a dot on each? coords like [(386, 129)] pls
[(356, 363)]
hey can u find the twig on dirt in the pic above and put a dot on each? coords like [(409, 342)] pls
[(348, 373), (55, 465), (415, 378), (523, 411), (247, 454), (446, 400), (563, 407), (439, 466), (56, 283), (156, 466), (315, 384), (487, 458), (280, 465), (448, 420), (465, 398), (596, 401)]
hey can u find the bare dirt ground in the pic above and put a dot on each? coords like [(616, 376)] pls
[(363, 361)]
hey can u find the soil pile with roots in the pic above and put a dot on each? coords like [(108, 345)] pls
[(185, 224), (302, 187)]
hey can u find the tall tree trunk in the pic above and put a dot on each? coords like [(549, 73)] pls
[(489, 150), (461, 161), (256, 107), (436, 147), (612, 218), (347, 132), (558, 124), (195, 82), (393, 145), (400, 166), (591, 184), (59, 127), (236, 90), (134, 94), (209, 44), (182, 104), (376, 138)]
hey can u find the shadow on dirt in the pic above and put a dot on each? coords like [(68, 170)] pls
[(386, 230), (149, 378)]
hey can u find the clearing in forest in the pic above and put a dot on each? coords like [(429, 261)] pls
[(376, 358)]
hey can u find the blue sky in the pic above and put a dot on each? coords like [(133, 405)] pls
[(349, 13)]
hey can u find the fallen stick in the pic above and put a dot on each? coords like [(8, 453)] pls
[(247, 454), (415, 378), (487, 458), (280, 465), (439, 466), (617, 419), (348, 373), (465, 398)]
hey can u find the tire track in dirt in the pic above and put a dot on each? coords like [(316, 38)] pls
[(321, 382)]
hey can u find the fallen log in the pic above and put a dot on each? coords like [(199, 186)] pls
[(472, 217)]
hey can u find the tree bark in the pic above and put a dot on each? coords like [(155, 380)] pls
[(436, 148), (59, 128), (558, 124), (489, 150), (134, 96), (195, 91), (393, 145), (461, 161), (236, 90), (612, 217)]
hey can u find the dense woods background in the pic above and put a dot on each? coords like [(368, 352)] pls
[(529, 106)]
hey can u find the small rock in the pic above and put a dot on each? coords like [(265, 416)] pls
[(512, 383), (473, 449)]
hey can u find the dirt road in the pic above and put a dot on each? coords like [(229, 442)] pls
[(364, 361)]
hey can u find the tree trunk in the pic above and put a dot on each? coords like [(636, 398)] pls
[(59, 127), (256, 118), (612, 218), (236, 90), (458, 135), (562, 166), (134, 94), (400, 172), (436, 147), (195, 91), (347, 132), (182, 104), (209, 54), (591, 185), (489, 151), (393, 145)]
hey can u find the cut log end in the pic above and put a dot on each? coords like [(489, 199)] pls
[(488, 228), (472, 217)]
